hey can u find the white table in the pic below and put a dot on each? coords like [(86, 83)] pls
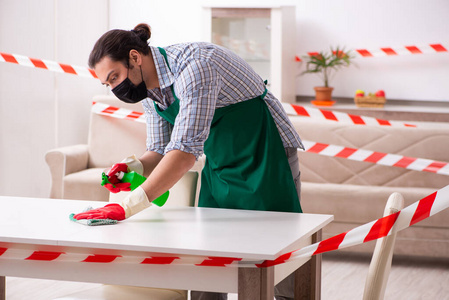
[(43, 225)]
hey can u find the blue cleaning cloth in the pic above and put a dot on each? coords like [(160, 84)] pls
[(92, 222)]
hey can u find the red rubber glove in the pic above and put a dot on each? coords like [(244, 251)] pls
[(111, 211), (118, 187), (115, 169)]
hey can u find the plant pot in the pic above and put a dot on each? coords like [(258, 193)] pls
[(323, 96), (323, 93)]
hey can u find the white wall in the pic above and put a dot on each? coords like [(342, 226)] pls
[(320, 24), (172, 21), (372, 25), (40, 110)]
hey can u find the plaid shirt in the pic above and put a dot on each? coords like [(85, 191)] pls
[(204, 77)]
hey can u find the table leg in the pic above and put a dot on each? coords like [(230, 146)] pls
[(256, 283), (308, 276), (2, 288)]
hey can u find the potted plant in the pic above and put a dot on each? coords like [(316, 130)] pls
[(323, 64)]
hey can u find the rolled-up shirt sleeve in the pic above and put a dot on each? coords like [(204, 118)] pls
[(197, 91)]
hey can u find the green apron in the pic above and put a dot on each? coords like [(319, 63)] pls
[(246, 165)]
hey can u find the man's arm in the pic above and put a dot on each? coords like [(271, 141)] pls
[(164, 175), (164, 171), (150, 160)]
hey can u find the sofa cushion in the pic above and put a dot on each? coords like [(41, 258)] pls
[(111, 139), (359, 205), (85, 185), (430, 143)]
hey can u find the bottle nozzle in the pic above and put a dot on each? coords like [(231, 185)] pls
[(120, 175)]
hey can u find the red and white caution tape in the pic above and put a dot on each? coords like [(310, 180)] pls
[(291, 109), (117, 112), (386, 159), (25, 254), (47, 65), (412, 163), (414, 213), (392, 51), (321, 114), (409, 216), (85, 72)]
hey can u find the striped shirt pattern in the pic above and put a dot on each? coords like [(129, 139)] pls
[(205, 77)]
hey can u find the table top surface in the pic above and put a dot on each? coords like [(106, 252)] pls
[(184, 230)]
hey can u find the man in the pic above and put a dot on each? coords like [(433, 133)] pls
[(202, 99)]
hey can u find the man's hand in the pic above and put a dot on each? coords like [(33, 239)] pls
[(118, 187), (111, 211), (113, 183), (133, 203), (113, 172)]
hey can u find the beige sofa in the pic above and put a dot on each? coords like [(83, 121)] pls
[(355, 192)]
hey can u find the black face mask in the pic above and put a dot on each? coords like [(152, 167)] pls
[(129, 93)]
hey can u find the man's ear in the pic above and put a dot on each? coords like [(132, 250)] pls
[(135, 57)]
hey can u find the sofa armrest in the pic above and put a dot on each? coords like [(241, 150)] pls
[(63, 161)]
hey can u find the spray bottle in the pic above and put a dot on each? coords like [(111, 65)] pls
[(136, 180)]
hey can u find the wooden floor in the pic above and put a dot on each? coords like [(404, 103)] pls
[(343, 279), (410, 278)]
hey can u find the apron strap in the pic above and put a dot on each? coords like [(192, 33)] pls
[(266, 91), (172, 111), (164, 54)]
